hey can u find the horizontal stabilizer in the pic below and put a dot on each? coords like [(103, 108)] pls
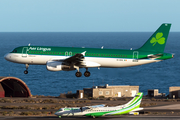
[(152, 56), (137, 109)]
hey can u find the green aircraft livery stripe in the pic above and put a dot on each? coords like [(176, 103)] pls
[(90, 52), (135, 104)]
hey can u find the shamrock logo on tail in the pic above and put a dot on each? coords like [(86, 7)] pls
[(159, 39)]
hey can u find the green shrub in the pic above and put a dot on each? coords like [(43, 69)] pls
[(26, 113), (101, 97), (4, 112)]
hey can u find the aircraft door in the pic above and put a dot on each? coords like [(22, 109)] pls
[(72, 112), (24, 51), (135, 56)]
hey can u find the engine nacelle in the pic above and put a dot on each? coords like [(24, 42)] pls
[(57, 66)]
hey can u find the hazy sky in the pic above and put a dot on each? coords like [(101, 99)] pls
[(88, 15)]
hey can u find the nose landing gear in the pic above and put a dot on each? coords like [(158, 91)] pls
[(26, 71)]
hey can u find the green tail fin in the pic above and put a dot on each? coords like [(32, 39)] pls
[(136, 99), (157, 41)]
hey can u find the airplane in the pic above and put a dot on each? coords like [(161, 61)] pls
[(73, 58), (101, 110)]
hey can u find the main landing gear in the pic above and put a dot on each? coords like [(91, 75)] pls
[(78, 74), (86, 74), (26, 71)]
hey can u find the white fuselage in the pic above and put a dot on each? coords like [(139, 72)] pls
[(103, 62), (76, 111)]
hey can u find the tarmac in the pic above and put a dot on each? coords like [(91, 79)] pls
[(170, 112), (162, 110), (100, 118)]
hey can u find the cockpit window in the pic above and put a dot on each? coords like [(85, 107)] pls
[(14, 51), (61, 109)]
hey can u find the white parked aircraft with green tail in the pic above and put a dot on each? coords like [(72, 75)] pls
[(71, 58), (101, 110)]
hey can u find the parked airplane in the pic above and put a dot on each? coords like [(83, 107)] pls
[(101, 110), (70, 58)]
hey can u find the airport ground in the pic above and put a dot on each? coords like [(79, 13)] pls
[(44, 108), (100, 118)]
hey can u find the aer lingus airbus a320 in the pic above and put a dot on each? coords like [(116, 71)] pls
[(100, 110), (70, 58)]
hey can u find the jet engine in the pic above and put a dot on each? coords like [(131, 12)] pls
[(58, 66)]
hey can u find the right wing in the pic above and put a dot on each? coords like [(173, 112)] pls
[(95, 106)]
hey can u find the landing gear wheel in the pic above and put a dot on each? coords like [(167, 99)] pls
[(87, 74), (78, 74), (25, 72)]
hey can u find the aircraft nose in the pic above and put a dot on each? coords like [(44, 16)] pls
[(7, 56), (56, 113)]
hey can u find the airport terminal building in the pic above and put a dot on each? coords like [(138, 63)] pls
[(109, 91)]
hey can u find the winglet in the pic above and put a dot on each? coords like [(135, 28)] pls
[(83, 53)]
